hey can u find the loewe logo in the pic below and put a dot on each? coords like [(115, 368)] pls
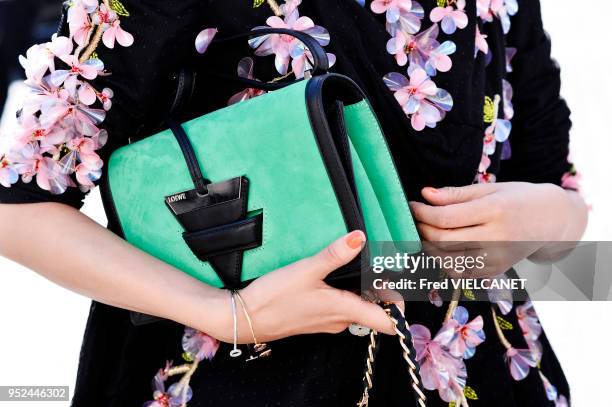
[(177, 197)]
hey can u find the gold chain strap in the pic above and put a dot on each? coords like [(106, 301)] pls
[(413, 368), (369, 372)]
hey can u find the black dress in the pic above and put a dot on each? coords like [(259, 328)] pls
[(118, 360)]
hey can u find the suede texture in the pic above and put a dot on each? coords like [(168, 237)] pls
[(273, 146)]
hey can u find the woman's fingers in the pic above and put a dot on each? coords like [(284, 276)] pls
[(465, 234), (453, 216), (365, 313), (453, 195), (356, 309), (353, 308), (332, 257), (393, 296), (315, 306), (337, 254)]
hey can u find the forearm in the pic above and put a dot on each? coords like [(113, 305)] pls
[(67, 247), (72, 250)]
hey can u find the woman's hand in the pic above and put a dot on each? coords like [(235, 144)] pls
[(517, 219), (295, 300), (507, 211)]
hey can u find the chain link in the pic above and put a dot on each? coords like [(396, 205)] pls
[(402, 329)]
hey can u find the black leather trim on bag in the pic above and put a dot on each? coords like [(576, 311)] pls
[(226, 263), (237, 236), (190, 157), (332, 140), (185, 86)]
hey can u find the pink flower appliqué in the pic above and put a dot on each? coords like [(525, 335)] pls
[(105, 97), (422, 50), (439, 59), (31, 130), (79, 24), (419, 97), (450, 18), (41, 57), (489, 143), (282, 46), (435, 298), (177, 395), (289, 6), (498, 132), (416, 47), (392, 8), (8, 174), (510, 54), (487, 9), (30, 161), (439, 369), (104, 16), (245, 70), (561, 401), (409, 20), (507, 96), (551, 391), (519, 361), (199, 345), (501, 297), (485, 163), (301, 57), (115, 32), (528, 321), (204, 39), (397, 46), (88, 5), (467, 336), (58, 132), (87, 70), (481, 43)]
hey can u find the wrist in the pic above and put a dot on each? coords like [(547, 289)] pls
[(207, 309), (577, 218), (559, 210), (565, 214)]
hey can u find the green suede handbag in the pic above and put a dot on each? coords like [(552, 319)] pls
[(234, 194)]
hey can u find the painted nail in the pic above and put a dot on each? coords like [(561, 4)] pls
[(355, 239)]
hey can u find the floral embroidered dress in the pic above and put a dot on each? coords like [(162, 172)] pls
[(465, 91)]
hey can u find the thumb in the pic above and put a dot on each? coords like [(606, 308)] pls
[(454, 195), (338, 254)]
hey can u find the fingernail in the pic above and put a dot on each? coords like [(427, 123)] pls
[(432, 190), (355, 239)]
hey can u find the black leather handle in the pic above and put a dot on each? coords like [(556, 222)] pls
[(185, 78), (190, 157), (320, 62)]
